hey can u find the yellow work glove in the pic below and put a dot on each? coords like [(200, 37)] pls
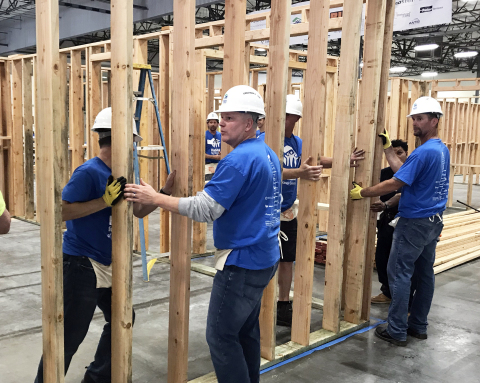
[(355, 192), (114, 190), (386, 139), (2, 204)]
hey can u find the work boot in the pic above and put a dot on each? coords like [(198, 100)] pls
[(381, 298), (284, 313), (416, 334), (382, 333)]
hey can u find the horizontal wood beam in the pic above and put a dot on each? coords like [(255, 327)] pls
[(105, 56)]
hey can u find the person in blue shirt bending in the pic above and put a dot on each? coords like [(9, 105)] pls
[(243, 200), (424, 181), (213, 139), (87, 202)]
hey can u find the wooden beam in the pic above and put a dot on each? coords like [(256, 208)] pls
[(274, 137), (16, 158), (104, 56), (27, 74), (95, 99), (233, 68), (313, 132), (164, 108), (211, 94), (77, 137), (366, 139), (122, 213), (381, 121), (63, 116), (346, 110), (47, 123), (182, 130), (199, 228)]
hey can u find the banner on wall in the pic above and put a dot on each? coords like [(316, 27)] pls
[(409, 14)]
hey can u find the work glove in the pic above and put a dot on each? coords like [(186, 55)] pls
[(114, 190), (385, 139), (2, 204), (355, 192)]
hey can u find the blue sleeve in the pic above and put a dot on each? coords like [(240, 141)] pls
[(79, 188), (410, 170), (225, 185)]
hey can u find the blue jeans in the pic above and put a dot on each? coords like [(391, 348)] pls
[(413, 250), (233, 330), (81, 297)]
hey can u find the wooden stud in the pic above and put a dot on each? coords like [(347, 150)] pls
[(233, 68), (16, 153), (403, 111), (48, 129), (199, 228), (345, 123), (182, 130), (63, 110), (211, 94), (27, 73), (77, 137), (95, 98), (3, 134), (367, 139), (313, 131), (122, 212), (164, 109), (395, 95)]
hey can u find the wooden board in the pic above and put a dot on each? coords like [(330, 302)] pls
[(122, 212), (17, 164), (27, 76), (77, 137)]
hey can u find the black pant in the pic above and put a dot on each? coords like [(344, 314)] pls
[(81, 297)]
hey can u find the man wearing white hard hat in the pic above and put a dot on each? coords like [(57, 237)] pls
[(87, 202), (293, 169), (424, 178), (213, 140), (261, 127), (243, 201)]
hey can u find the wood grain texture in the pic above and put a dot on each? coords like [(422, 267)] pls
[(27, 76), (16, 153), (77, 136)]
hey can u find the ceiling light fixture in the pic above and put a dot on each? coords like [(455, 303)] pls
[(398, 69), (464, 55), (261, 50), (361, 64), (426, 47), (429, 74)]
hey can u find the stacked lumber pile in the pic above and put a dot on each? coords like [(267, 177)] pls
[(459, 242)]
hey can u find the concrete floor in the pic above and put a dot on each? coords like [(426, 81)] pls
[(450, 354)]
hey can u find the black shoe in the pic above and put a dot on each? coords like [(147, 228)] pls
[(87, 379), (383, 334), (284, 313), (416, 334)]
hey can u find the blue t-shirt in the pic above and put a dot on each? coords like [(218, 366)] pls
[(260, 135), (212, 145), (247, 184), (89, 236), (292, 158), (425, 173)]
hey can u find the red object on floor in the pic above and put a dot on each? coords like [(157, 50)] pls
[(320, 252)]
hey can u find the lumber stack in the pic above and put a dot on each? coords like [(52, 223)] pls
[(459, 242)]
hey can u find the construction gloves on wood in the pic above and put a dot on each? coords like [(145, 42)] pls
[(355, 192), (386, 139), (2, 204), (114, 190)]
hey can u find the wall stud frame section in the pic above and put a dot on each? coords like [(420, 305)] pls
[(27, 76), (77, 137), (16, 153)]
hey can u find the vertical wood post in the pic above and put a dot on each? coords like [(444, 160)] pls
[(233, 67), (346, 114), (95, 98), (27, 74), (182, 130), (199, 228), (366, 139), (378, 157), (16, 152), (63, 109), (274, 137), (48, 136), (122, 165), (313, 132), (6, 106), (211, 94), (77, 137)]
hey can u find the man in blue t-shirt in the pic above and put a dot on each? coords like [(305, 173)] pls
[(87, 250), (261, 127), (213, 139), (293, 169), (243, 199), (424, 181)]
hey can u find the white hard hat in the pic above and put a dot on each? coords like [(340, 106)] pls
[(103, 125), (294, 105), (242, 98), (261, 117), (426, 105), (213, 116)]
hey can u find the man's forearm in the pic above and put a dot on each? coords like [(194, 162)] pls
[(394, 200), (393, 159), (212, 156), (81, 209), (290, 174), (167, 202), (326, 162), (5, 222), (141, 211), (382, 188)]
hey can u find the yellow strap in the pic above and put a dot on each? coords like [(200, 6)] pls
[(149, 267), (142, 66)]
